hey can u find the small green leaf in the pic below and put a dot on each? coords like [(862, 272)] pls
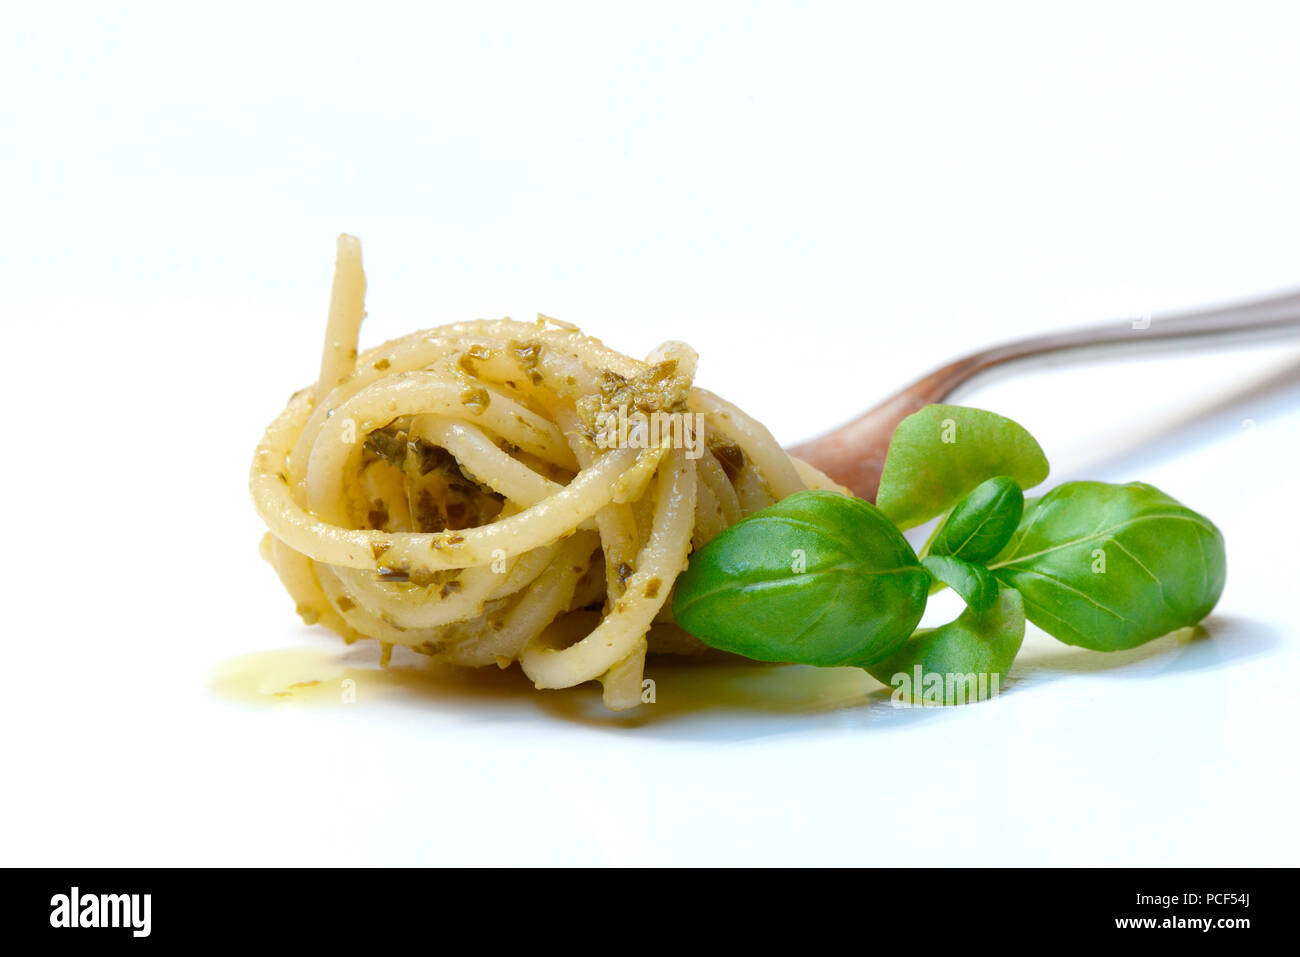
[(1026, 521), (965, 660), (975, 583), (1112, 566), (819, 578), (983, 522), (941, 454)]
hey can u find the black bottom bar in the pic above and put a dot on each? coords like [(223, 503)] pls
[(915, 908)]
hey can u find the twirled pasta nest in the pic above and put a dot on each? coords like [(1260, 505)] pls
[(497, 491)]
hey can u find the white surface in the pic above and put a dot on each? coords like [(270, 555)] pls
[(860, 190)]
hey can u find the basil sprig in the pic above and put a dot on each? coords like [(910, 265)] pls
[(826, 579)]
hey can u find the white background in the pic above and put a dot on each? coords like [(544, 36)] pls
[(826, 200)]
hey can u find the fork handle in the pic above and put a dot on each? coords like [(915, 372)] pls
[(854, 453)]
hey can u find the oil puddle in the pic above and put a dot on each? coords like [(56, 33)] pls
[(318, 678), (680, 689)]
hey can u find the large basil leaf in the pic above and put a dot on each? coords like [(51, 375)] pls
[(1112, 566), (819, 578), (940, 455), (983, 522), (964, 660)]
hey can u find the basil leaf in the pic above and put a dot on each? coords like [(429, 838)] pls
[(975, 583), (1112, 566), (818, 578), (939, 455), (983, 522), (1026, 521), (964, 660)]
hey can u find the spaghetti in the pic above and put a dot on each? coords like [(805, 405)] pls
[(497, 491)]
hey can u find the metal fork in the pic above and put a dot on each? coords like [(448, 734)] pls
[(854, 453)]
